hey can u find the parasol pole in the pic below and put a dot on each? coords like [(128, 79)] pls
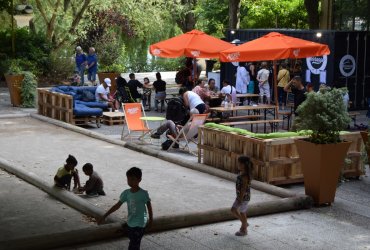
[(194, 71), (275, 89)]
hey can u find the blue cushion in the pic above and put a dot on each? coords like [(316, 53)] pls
[(101, 105), (82, 110), (80, 90)]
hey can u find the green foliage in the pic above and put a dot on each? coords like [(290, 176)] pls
[(110, 51), (60, 67), (345, 11), (32, 50), (5, 20), (14, 67), (165, 64), (212, 16), (274, 14), (28, 90), (324, 113), (6, 5)]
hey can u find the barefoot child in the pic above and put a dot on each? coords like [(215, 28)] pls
[(243, 193), (136, 199), (64, 174), (94, 186)]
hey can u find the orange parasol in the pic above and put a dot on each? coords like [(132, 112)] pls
[(195, 44), (274, 46)]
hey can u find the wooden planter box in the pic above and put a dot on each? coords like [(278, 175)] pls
[(14, 83), (276, 161), (60, 107)]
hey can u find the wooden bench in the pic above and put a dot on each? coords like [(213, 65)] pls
[(213, 119), (235, 118), (244, 117), (273, 123)]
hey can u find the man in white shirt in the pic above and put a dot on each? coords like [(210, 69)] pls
[(228, 91), (263, 79), (242, 79), (102, 93)]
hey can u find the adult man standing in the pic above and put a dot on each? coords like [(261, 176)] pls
[(92, 66), (102, 93), (299, 91), (242, 80), (80, 63), (133, 84), (263, 80)]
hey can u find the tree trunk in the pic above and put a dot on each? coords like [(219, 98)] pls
[(187, 20), (234, 14), (312, 7)]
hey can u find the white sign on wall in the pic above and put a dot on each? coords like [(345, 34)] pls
[(347, 65), (317, 64)]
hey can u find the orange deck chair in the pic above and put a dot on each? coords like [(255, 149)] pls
[(188, 132), (133, 112)]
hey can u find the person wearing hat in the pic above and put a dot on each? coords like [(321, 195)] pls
[(102, 93), (81, 62)]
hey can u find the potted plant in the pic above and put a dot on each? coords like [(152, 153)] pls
[(323, 153), (366, 139), (14, 78), (28, 90)]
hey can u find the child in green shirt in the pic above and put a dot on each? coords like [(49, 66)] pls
[(136, 199)]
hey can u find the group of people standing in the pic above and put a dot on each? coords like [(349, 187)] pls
[(248, 78), (85, 62)]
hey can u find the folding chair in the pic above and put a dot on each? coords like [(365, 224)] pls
[(133, 112), (188, 132)]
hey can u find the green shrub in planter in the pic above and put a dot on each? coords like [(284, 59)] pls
[(324, 113), (28, 90)]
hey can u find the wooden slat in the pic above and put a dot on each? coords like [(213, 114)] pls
[(250, 122), (275, 161)]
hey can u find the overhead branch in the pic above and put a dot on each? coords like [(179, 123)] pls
[(42, 12), (53, 18), (75, 23)]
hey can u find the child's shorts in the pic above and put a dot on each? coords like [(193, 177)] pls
[(242, 207)]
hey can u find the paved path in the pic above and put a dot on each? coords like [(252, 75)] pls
[(344, 225), (28, 211), (173, 189)]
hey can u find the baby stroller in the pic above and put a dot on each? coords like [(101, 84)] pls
[(177, 112), (122, 94)]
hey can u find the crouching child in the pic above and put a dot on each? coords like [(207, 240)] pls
[(94, 186), (64, 174)]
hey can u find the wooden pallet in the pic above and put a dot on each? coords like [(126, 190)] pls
[(60, 107), (113, 118), (275, 161)]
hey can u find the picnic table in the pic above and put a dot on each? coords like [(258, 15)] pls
[(261, 107)]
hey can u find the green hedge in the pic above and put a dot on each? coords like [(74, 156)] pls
[(241, 131)]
